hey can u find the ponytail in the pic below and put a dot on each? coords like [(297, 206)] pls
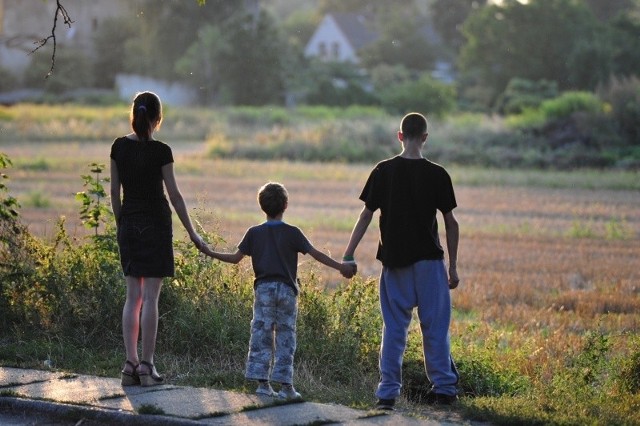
[(146, 112)]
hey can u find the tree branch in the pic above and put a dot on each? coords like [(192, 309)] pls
[(60, 10)]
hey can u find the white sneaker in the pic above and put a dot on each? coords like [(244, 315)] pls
[(288, 392), (266, 389)]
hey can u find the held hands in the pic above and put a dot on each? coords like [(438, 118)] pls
[(348, 267), (198, 241), (348, 270)]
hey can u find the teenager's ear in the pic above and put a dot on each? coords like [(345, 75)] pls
[(400, 136), (424, 137)]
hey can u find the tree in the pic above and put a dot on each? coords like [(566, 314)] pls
[(625, 32), (200, 66), (222, 9), (540, 40), (402, 40), (253, 64), (109, 44), (448, 17), (163, 30)]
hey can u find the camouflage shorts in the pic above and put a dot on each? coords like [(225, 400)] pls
[(273, 333)]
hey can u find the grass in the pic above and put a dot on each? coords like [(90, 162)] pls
[(545, 317)]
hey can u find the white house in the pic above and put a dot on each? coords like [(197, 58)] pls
[(339, 37)]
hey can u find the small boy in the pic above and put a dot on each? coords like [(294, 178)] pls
[(274, 246)]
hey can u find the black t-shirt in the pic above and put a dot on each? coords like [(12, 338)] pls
[(271, 263), (408, 193), (140, 171)]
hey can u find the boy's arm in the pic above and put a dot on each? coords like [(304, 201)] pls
[(224, 257), (345, 269), (358, 232), (453, 235)]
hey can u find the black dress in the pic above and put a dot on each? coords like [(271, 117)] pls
[(145, 235)]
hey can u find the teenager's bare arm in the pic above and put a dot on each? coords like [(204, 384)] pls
[(453, 235), (346, 270), (359, 229)]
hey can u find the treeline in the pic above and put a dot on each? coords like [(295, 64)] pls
[(235, 54)]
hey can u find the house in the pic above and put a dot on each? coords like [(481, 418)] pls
[(339, 37), (24, 23)]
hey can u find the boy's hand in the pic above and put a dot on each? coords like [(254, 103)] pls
[(453, 277)]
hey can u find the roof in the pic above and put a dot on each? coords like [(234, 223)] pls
[(356, 28)]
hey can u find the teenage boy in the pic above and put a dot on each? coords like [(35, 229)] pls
[(409, 190)]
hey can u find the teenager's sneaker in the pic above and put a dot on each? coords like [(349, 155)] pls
[(288, 392), (440, 398), (265, 389), (385, 404)]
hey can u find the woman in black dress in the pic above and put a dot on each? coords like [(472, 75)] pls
[(140, 165)]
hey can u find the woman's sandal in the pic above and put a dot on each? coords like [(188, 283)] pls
[(150, 378), (129, 378)]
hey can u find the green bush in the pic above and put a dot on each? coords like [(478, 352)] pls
[(425, 95), (569, 103), (522, 94), (623, 98)]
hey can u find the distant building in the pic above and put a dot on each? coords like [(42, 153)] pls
[(24, 22), (339, 37)]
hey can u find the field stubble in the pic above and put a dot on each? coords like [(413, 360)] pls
[(539, 266)]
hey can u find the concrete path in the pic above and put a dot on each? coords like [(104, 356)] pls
[(105, 401)]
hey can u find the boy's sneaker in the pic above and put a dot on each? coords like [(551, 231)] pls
[(434, 398), (264, 388), (288, 392), (385, 404)]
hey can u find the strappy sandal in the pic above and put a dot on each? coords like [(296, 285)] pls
[(129, 378), (150, 378)]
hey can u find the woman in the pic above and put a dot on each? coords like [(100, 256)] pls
[(140, 165)]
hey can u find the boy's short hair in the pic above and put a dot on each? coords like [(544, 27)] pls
[(413, 125), (273, 198)]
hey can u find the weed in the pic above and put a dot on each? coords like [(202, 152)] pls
[(150, 409)]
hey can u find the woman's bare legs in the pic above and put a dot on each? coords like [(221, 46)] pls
[(140, 317), (149, 319), (131, 318)]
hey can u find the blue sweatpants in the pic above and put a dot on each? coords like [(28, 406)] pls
[(423, 285)]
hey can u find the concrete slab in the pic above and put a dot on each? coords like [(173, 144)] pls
[(12, 376), (76, 389), (192, 403), (300, 413)]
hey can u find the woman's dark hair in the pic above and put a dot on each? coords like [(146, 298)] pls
[(146, 114)]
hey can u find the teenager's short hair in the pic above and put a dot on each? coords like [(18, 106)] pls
[(273, 198), (413, 125)]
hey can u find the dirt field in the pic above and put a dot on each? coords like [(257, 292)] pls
[(516, 242)]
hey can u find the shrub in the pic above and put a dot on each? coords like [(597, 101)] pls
[(426, 95), (623, 98), (569, 103), (522, 94)]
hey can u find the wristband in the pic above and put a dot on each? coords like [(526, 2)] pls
[(349, 260)]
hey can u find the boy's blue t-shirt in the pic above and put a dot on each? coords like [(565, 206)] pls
[(259, 243), (408, 192)]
